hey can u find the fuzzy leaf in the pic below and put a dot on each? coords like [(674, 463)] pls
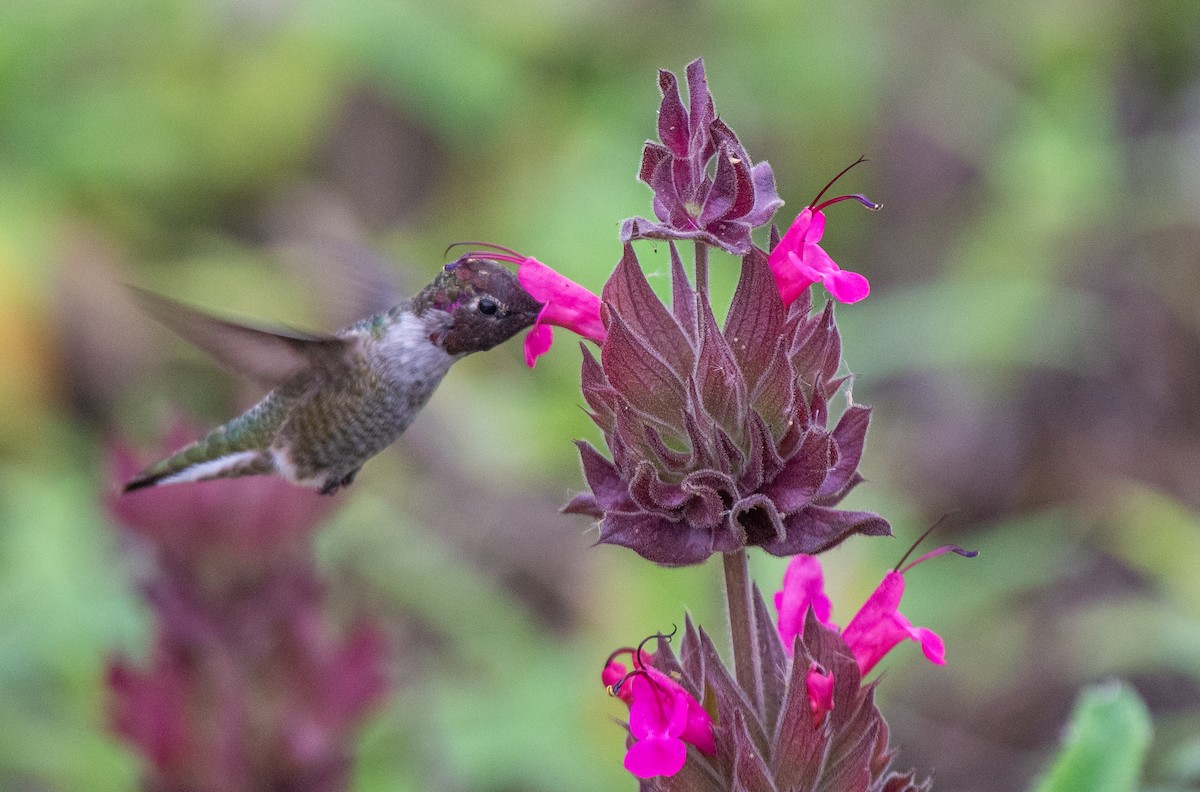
[(818, 528), (794, 486), (683, 296), (750, 773), (730, 698), (701, 112), (673, 125), (772, 660), (602, 476), (850, 436), (656, 538)]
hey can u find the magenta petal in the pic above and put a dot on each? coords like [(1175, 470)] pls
[(879, 626), (846, 287), (656, 756), (537, 342), (820, 692), (931, 644), (659, 706), (803, 588), (567, 303)]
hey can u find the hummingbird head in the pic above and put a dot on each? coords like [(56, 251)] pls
[(486, 303)]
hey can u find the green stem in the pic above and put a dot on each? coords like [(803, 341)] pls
[(746, 661), (702, 268)]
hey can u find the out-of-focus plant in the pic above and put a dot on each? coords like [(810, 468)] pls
[(246, 686)]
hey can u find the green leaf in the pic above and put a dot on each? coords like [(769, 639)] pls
[(1105, 744)]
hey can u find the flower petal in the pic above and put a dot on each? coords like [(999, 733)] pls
[(820, 692), (803, 588), (537, 341), (567, 304), (879, 626), (846, 287), (656, 756)]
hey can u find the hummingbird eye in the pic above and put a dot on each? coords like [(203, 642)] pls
[(488, 306)]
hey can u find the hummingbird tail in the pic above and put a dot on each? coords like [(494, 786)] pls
[(183, 467)]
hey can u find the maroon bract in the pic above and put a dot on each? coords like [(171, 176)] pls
[(719, 437), (245, 687)]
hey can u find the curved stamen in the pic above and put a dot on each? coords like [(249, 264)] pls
[(638, 654), (932, 553), (844, 171), (862, 199)]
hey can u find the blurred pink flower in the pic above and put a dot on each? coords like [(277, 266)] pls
[(246, 686)]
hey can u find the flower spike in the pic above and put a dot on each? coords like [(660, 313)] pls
[(718, 205)]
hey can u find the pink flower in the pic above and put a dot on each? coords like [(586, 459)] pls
[(567, 304), (877, 627), (803, 588), (663, 717), (798, 262)]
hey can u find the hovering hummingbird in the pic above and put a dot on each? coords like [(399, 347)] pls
[(338, 400)]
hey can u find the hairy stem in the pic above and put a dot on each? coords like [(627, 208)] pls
[(746, 661), (702, 268)]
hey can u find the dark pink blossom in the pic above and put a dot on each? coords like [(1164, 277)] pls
[(663, 717), (820, 691), (246, 685), (798, 261), (877, 627), (567, 304)]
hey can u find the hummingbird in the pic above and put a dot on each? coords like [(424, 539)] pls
[(338, 400)]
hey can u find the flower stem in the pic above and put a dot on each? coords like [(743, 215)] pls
[(746, 661), (702, 268)]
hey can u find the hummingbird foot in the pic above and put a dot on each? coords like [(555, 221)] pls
[(332, 485)]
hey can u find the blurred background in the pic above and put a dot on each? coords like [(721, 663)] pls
[(1030, 345)]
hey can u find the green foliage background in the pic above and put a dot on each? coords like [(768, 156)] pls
[(1030, 346)]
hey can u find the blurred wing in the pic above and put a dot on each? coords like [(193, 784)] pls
[(267, 356), (352, 280)]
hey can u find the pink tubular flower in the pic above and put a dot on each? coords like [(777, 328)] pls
[(798, 261), (565, 302), (663, 717), (877, 627), (803, 588)]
